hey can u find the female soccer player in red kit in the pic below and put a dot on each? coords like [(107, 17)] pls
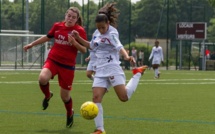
[(61, 60)]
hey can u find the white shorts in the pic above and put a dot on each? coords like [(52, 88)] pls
[(156, 61), (106, 82), (90, 67)]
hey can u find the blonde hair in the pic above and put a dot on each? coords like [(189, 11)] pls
[(76, 10)]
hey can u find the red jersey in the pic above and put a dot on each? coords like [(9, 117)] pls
[(62, 52)]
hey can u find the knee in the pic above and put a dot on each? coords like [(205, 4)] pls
[(43, 79), (65, 97), (123, 98), (97, 99)]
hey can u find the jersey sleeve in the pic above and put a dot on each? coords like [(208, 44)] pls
[(162, 54), (52, 31), (92, 46), (82, 33), (151, 53), (114, 40)]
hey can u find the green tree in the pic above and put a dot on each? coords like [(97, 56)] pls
[(54, 12), (89, 21), (12, 14), (123, 20), (211, 30)]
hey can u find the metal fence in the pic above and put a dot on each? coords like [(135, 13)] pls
[(13, 56)]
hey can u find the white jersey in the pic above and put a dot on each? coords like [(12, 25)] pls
[(91, 64), (157, 54), (107, 47), (92, 57)]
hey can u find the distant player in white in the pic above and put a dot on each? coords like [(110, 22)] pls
[(157, 54), (107, 47)]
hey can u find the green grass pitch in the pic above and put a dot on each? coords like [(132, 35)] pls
[(180, 102)]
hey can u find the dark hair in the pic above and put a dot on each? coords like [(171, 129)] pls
[(101, 18), (76, 10), (108, 13), (156, 42)]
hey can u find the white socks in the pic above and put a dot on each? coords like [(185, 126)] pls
[(99, 118), (156, 72), (132, 84)]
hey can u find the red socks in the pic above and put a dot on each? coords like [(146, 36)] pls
[(45, 90), (68, 106)]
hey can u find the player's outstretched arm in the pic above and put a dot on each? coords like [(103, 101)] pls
[(126, 56), (80, 39), (41, 40), (87, 59), (72, 41)]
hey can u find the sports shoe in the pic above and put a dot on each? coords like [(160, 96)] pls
[(69, 120), (46, 101), (97, 131), (155, 77), (139, 69)]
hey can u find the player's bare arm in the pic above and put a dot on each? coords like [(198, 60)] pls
[(80, 39), (41, 40), (87, 59), (126, 56), (72, 41)]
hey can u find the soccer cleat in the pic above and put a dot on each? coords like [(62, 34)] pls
[(139, 70), (46, 101), (69, 121), (97, 131)]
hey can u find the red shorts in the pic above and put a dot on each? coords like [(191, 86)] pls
[(65, 75)]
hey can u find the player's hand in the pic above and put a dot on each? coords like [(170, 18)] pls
[(87, 59), (71, 39), (162, 62), (131, 59), (75, 34), (26, 47)]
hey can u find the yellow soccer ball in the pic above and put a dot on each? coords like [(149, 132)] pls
[(89, 110)]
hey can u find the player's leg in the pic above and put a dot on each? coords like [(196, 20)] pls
[(100, 86), (155, 67), (44, 77), (158, 71), (46, 74), (68, 103), (123, 92), (118, 83), (65, 78)]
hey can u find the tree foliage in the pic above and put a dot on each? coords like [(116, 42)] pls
[(148, 17)]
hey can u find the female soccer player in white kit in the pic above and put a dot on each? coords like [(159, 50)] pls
[(108, 48), (157, 54)]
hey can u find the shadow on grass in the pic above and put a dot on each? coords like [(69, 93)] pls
[(63, 131)]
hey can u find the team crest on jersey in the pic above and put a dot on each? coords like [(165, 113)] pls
[(96, 44), (109, 59), (94, 37), (103, 40)]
